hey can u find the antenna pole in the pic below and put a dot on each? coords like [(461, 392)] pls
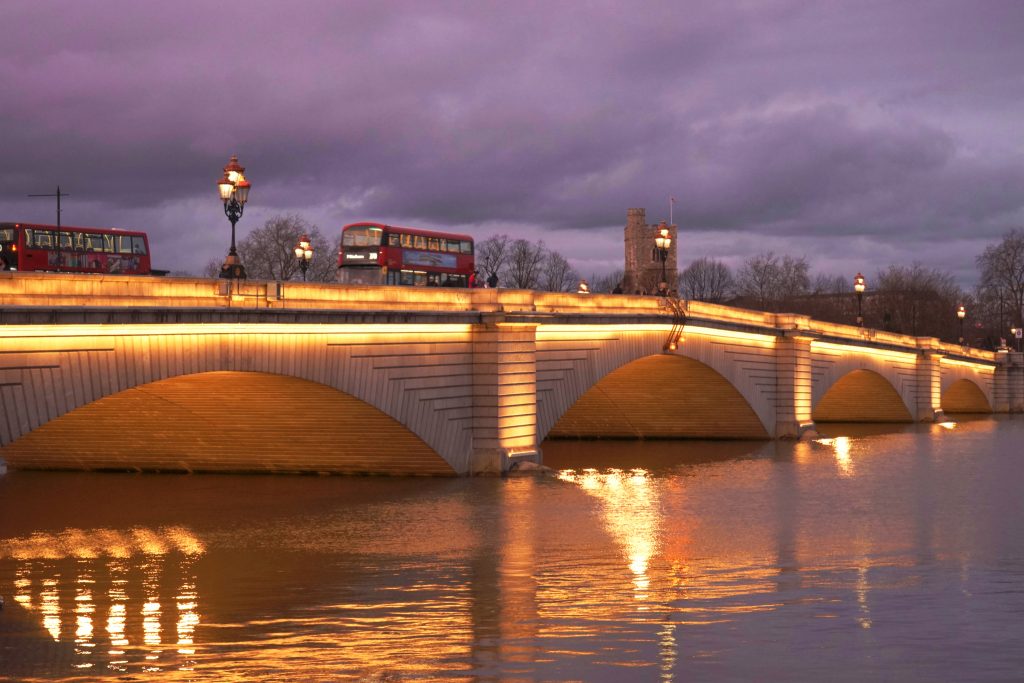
[(58, 195)]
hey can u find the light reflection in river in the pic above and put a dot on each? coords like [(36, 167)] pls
[(875, 552)]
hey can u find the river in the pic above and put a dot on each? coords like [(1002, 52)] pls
[(885, 553)]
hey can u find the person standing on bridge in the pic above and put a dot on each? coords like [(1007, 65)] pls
[(473, 279), (492, 280)]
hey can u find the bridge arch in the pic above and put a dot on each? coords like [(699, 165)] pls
[(661, 396), (964, 396), (419, 375), (861, 396), (227, 421)]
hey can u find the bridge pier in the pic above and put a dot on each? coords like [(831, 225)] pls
[(504, 395), (1008, 389), (793, 386), (929, 386)]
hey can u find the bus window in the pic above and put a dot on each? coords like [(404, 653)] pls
[(454, 246), (362, 237), (41, 239), (65, 240), (124, 244), (420, 278), (467, 247), (79, 241), (433, 244), (394, 240), (408, 278), (407, 241), (419, 242), (108, 244), (138, 245), (94, 242), (6, 234)]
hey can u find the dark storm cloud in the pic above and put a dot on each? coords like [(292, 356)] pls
[(894, 124)]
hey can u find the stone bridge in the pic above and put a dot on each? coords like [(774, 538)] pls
[(168, 374)]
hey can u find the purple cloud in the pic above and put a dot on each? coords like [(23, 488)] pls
[(836, 131)]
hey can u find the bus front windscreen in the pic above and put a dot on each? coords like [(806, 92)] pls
[(360, 236)]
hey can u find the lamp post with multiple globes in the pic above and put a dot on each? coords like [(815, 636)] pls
[(859, 287), (663, 242), (234, 192), (304, 253), (961, 313)]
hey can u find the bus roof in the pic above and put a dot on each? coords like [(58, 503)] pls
[(411, 231), (69, 228)]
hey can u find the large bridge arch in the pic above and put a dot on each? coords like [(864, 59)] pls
[(419, 375), (963, 396), (227, 421), (663, 396), (863, 371), (967, 387), (572, 361), (861, 396)]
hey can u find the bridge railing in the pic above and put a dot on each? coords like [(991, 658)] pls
[(41, 290)]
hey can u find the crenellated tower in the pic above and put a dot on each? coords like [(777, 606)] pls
[(643, 264)]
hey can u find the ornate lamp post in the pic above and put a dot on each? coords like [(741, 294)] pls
[(961, 313), (304, 253), (858, 287), (234, 192), (663, 242)]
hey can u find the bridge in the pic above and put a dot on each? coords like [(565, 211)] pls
[(192, 375)]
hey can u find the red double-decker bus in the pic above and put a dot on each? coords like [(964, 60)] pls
[(28, 246), (379, 254)]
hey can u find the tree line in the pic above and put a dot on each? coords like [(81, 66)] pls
[(910, 299)]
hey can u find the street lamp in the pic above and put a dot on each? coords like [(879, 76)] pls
[(234, 192), (859, 286), (961, 313), (304, 253), (663, 241)]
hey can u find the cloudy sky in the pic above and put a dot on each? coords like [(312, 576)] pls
[(856, 134)]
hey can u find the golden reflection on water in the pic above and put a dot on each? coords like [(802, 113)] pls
[(631, 515), (94, 571), (656, 563), (841, 446), (84, 609)]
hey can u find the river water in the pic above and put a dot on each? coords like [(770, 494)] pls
[(875, 554)]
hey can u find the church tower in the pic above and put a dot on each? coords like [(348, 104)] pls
[(643, 263)]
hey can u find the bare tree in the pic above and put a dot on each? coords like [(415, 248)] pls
[(525, 264), (212, 268), (758, 279), (324, 267), (606, 283), (989, 314), (794, 277), (492, 255), (831, 285), (706, 279), (916, 300), (1002, 270), (771, 283), (268, 251), (557, 275)]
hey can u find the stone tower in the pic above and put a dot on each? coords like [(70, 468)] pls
[(643, 265)]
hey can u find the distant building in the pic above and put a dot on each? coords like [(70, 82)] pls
[(643, 264)]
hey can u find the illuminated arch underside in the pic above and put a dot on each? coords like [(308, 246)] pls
[(964, 396), (861, 396), (661, 397), (227, 422)]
